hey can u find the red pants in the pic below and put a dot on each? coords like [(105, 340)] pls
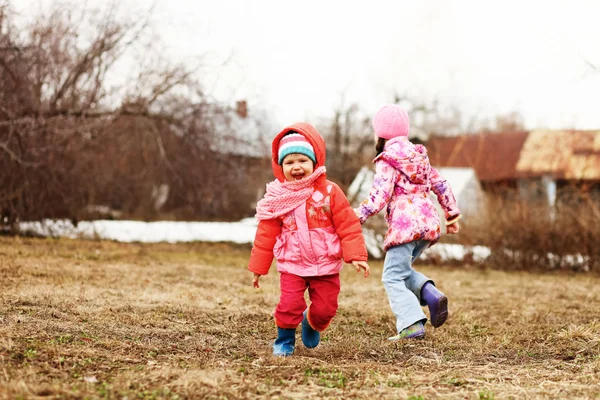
[(323, 292)]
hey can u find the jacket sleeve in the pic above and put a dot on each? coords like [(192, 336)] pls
[(444, 194), (381, 191), (347, 227), (261, 255)]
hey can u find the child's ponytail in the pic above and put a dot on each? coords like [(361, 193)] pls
[(380, 145)]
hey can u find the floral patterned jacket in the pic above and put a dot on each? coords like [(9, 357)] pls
[(403, 179)]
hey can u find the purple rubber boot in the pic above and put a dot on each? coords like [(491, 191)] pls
[(437, 303)]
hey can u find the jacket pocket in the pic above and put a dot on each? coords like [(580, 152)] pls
[(328, 244), (287, 247)]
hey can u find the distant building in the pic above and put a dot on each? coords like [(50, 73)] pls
[(537, 165)]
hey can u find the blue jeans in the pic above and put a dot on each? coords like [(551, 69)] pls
[(403, 284)]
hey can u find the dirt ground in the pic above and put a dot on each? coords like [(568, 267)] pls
[(97, 319)]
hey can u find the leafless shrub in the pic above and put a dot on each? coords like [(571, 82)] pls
[(71, 141), (530, 234)]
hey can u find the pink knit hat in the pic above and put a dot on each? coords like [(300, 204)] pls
[(391, 121)]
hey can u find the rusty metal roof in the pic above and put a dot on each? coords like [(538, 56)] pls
[(561, 154), (565, 154), (493, 156)]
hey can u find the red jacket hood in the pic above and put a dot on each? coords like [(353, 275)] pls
[(310, 133)]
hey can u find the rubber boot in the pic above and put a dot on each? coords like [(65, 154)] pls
[(415, 331), (310, 337), (284, 344), (437, 303)]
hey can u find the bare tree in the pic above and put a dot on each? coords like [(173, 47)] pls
[(69, 139), (350, 136), (592, 66), (430, 118), (349, 143)]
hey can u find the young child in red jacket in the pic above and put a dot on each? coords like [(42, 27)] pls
[(306, 222)]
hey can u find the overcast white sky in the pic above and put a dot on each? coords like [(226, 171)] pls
[(296, 58)]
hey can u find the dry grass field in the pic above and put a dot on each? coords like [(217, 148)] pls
[(96, 319)]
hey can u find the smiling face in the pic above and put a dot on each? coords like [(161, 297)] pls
[(297, 166)]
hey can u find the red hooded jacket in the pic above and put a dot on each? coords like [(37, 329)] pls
[(313, 239)]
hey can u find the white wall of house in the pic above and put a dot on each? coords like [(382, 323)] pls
[(467, 190)]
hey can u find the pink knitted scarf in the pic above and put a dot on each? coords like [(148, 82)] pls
[(283, 197)]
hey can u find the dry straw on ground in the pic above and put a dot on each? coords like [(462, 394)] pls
[(91, 319)]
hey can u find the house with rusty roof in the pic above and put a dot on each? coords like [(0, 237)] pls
[(538, 164)]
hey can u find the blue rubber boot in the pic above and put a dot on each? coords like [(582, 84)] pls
[(284, 344), (437, 303), (310, 337)]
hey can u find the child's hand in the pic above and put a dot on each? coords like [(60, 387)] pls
[(255, 280), (452, 229), (362, 264)]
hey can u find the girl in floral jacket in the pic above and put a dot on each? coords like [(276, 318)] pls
[(402, 182), (306, 222)]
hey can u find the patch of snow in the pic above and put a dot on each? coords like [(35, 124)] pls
[(244, 231), (373, 242), (148, 232), (238, 232), (456, 252)]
